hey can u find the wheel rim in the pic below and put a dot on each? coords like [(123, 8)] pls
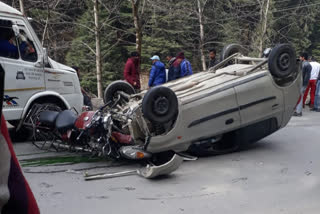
[(284, 61), (161, 105)]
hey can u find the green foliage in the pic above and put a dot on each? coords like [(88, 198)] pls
[(170, 26)]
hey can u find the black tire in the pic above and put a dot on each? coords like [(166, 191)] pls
[(110, 93), (160, 105), (230, 49), (282, 61)]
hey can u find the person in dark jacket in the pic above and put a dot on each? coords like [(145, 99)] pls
[(157, 73), (86, 98), (212, 58), (306, 73), (185, 65), (131, 70), (173, 71)]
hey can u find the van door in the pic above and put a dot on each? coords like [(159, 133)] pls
[(24, 75)]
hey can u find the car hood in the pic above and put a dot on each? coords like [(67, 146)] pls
[(60, 66)]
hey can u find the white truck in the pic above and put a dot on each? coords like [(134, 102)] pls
[(31, 77)]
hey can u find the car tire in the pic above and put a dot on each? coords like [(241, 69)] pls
[(114, 87), (282, 61), (230, 49), (160, 105)]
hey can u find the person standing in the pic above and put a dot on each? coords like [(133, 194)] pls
[(212, 58), (86, 97), (185, 65), (131, 70), (316, 107), (173, 69), (157, 73), (306, 73), (312, 84)]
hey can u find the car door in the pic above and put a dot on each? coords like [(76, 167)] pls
[(24, 75), (259, 99), (214, 112)]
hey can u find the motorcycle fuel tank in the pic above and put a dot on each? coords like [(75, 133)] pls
[(84, 119)]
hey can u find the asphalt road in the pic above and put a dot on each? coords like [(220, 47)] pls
[(279, 174)]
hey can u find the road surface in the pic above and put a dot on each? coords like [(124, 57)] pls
[(279, 174)]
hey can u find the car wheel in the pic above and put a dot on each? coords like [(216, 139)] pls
[(160, 105), (229, 50), (282, 61), (110, 94)]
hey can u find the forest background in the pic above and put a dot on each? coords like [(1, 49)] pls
[(98, 35)]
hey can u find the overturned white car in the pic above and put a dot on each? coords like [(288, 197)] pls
[(239, 101)]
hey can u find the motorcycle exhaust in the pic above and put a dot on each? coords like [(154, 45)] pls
[(75, 148)]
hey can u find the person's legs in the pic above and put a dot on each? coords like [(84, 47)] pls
[(306, 94), (313, 85), (298, 111), (317, 97)]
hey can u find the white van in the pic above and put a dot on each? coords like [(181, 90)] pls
[(31, 77)]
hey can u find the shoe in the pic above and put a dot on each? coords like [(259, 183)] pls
[(311, 106), (317, 110), (297, 114), (313, 109)]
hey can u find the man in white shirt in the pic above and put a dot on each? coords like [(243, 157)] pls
[(312, 83)]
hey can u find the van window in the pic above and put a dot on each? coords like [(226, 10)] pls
[(8, 41), (26, 47), (12, 46)]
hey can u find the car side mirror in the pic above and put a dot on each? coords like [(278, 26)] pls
[(45, 56), (15, 29)]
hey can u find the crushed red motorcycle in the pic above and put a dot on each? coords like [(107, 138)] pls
[(91, 131), (97, 133)]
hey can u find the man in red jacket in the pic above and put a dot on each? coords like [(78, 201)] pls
[(131, 70)]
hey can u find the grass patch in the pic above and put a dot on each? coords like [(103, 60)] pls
[(59, 160)]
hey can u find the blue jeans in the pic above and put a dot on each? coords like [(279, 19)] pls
[(317, 97), (300, 104)]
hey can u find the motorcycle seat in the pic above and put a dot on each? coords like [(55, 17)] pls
[(48, 117), (65, 120)]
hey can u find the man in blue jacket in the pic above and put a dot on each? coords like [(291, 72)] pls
[(185, 65), (157, 73)]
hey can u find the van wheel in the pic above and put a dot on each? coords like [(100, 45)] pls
[(282, 61), (111, 92), (160, 105)]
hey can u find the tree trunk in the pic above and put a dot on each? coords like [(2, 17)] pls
[(203, 58), (22, 7), (137, 24), (264, 22), (98, 52)]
